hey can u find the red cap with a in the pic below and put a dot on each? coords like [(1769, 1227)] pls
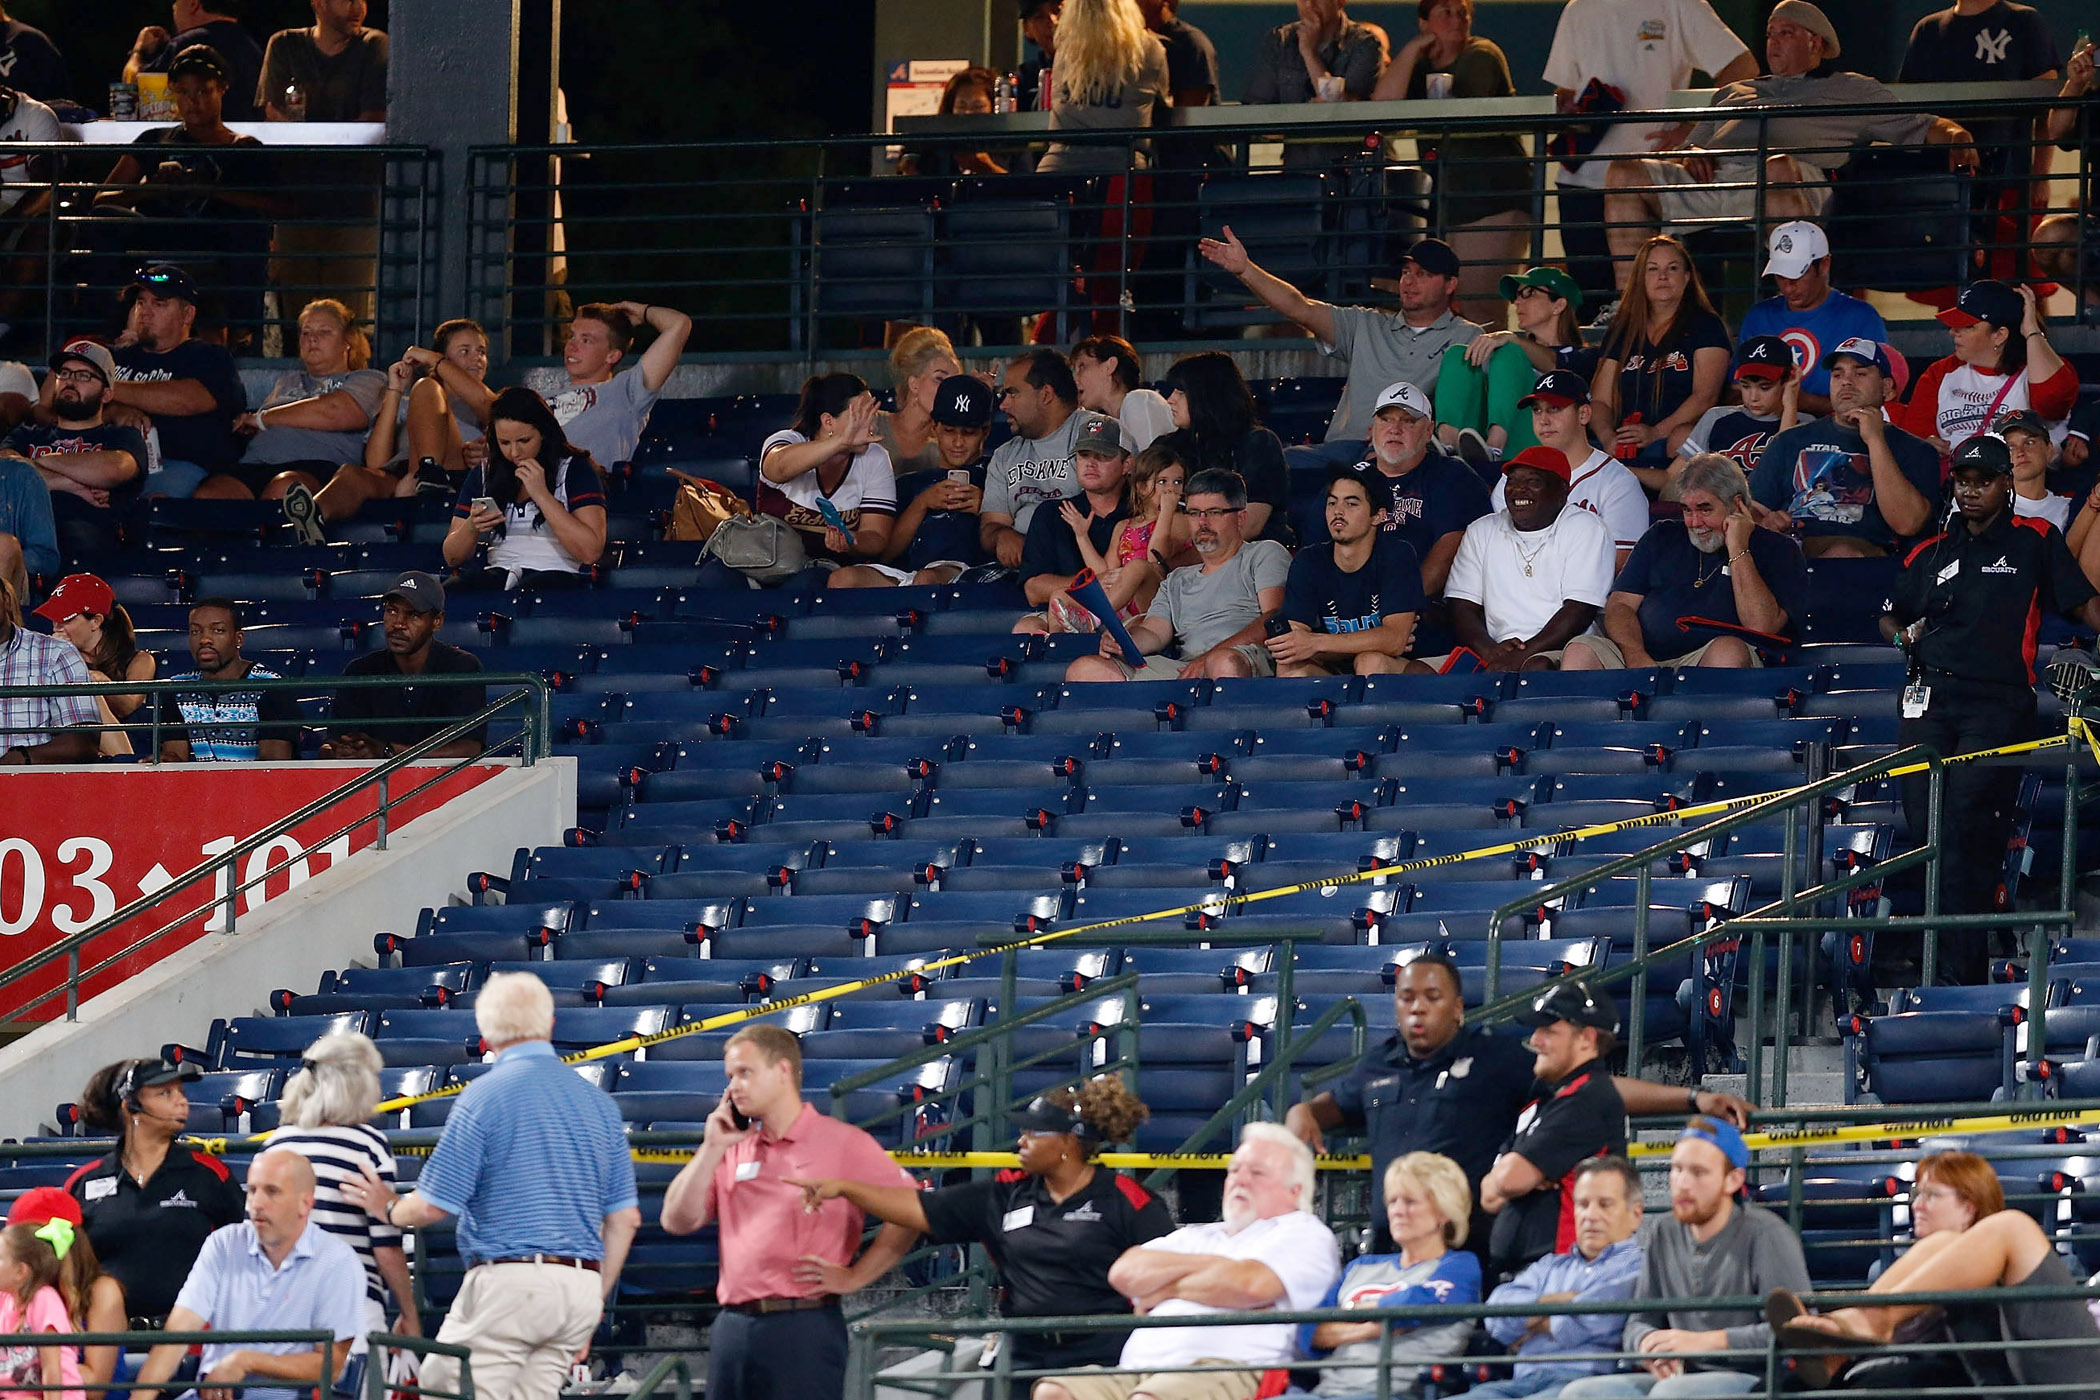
[(76, 594)]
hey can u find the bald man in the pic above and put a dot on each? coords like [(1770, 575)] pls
[(276, 1271)]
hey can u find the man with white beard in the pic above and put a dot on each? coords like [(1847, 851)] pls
[(1269, 1252), (1715, 565)]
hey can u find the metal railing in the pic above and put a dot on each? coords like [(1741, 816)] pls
[(221, 876)]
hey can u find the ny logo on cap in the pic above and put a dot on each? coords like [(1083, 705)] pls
[(962, 402)]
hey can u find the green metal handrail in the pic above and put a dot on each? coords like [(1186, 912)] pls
[(377, 1386)]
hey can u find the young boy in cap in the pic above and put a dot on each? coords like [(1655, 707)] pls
[(1598, 482), (935, 537), (1764, 372), (2026, 437), (1350, 605)]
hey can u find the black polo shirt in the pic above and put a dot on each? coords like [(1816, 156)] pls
[(431, 707), (147, 1237), (1050, 548), (1564, 1125), (1053, 1256), (1982, 596)]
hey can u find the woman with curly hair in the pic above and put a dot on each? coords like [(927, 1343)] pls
[(1053, 1227)]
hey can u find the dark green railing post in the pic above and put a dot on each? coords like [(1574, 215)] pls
[(1783, 981), (1637, 1010), (1935, 796)]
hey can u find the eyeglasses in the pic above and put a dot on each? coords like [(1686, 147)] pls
[(1205, 517), (1523, 292), (76, 376)]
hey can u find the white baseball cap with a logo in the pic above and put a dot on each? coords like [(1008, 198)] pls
[(1404, 395), (1793, 247)]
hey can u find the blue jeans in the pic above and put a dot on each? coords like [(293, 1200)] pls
[(1342, 452), (1690, 1385), (1538, 1383), (177, 480)]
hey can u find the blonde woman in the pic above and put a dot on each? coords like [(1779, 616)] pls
[(327, 1107), (1427, 1206), (922, 357), (316, 416), (1111, 74)]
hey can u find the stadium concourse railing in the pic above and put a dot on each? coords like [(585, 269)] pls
[(281, 226), (219, 883), (375, 1385), (805, 248)]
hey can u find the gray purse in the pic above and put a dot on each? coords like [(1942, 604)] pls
[(763, 548)]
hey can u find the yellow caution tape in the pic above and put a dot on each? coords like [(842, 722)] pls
[(1896, 1129), (740, 1015)]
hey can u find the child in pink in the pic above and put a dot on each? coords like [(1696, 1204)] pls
[(30, 1305)]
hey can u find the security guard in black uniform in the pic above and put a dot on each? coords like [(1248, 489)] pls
[(1966, 607)]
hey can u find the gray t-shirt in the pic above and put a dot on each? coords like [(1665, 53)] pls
[(1141, 95), (1383, 349), (1754, 1253), (1823, 138), (1204, 609), (605, 420), (1025, 472), (274, 444)]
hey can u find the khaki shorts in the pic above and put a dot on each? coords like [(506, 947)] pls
[(1685, 200), (1607, 652), (1167, 668), (1093, 1384)]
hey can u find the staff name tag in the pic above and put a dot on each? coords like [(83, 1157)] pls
[(1916, 699), (747, 1171), (1018, 1219), (1947, 573), (101, 1188)]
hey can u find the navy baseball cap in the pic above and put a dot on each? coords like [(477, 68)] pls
[(1558, 387), (2021, 420), (963, 401), (419, 590), (1983, 453), (1378, 487), (1990, 301), (1432, 255), (1765, 357), (1867, 352), (1574, 1003), (166, 280), (1043, 1116)]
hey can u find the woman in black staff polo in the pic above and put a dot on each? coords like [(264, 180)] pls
[(1053, 1226), (149, 1206)]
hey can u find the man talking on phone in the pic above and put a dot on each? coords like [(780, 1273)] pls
[(780, 1334)]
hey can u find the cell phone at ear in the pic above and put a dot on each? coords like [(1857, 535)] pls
[(742, 1123)]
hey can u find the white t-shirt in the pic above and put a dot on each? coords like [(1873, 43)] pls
[(32, 121), (1645, 48), (1606, 489), (1145, 419), (2054, 509), (1570, 560), (869, 487), (1297, 1246)]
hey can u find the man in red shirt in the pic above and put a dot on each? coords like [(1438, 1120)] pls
[(780, 1334)]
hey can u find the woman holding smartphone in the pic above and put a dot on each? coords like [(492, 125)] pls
[(537, 503)]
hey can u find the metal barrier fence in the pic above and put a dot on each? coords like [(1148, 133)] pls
[(375, 1384), (245, 866), (809, 247)]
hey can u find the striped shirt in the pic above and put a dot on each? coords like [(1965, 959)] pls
[(532, 1160), (339, 1155)]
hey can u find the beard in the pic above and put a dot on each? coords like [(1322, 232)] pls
[(75, 410), (1707, 541)]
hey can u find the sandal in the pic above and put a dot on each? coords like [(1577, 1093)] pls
[(1784, 1310)]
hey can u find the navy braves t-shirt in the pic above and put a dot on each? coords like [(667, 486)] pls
[(1438, 497), (1819, 474), (1327, 598)]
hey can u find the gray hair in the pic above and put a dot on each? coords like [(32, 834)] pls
[(339, 1085), (514, 1006), (1301, 1159), (1712, 473), (1218, 481)]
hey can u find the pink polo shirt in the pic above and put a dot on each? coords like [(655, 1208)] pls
[(764, 1228)]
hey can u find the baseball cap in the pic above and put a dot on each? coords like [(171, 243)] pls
[(167, 280), (2021, 420), (1550, 460), (1792, 247), (1043, 1116), (1552, 279), (199, 58), (1867, 352), (150, 1074), (1983, 453), (87, 352), (1764, 357), (1722, 1134), (1101, 434), (1990, 301), (1812, 19), (963, 401), (1896, 368), (1432, 255), (41, 1203), (1558, 387), (1571, 1002), (1378, 487), (77, 594), (1403, 395), (419, 590)]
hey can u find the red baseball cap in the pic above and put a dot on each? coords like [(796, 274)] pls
[(1550, 460), (41, 1203), (76, 594)]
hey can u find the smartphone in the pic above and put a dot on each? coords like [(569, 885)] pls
[(958, 476), (482, 503), (742, 1123), (1276, 627)]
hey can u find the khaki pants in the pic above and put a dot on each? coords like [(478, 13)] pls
[(1607, 651), (1091, 1384), (524, 1323)]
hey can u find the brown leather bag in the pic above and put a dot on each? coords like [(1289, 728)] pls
[(702, 507)]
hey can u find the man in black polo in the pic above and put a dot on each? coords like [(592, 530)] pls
[(1050, 558), (1965, 608), (1575, 1113), (1439, 1085), (411, 612)]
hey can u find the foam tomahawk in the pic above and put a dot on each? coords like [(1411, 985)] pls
[(1086, 590)]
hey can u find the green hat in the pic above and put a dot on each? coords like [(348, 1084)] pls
[(1551, 278)]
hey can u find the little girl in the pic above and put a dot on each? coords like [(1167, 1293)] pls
[(1141, 546), (30, 1304)]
